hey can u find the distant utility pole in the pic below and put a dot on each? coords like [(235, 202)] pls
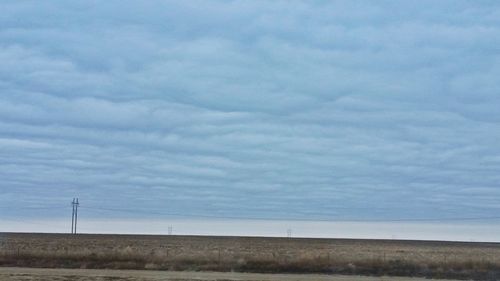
[(289, 233), (170, 229), (74, 216)]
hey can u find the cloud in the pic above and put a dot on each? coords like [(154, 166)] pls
[(285, 109)]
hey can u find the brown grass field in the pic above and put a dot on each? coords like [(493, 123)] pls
[(430, 259)]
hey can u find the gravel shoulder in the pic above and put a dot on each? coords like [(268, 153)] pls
[(31, 274)]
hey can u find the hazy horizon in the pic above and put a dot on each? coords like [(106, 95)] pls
[(464, 232)]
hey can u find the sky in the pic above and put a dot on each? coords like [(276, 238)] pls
[(276, 110)]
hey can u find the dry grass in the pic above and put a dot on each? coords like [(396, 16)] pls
[(479, 261)]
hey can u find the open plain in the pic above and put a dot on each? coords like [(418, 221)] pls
[(430, 259)]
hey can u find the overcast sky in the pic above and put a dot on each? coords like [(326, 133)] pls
[(263, 109)]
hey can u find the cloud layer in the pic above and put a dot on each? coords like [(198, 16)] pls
[(283, 109)]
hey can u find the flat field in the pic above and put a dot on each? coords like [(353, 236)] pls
[(454, 260)]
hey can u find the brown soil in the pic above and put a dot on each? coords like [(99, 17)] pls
[(25, 274)]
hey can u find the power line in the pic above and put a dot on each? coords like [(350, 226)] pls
[(148, 212), (75, 206)]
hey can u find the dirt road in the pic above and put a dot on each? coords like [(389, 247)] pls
[(32, 274)]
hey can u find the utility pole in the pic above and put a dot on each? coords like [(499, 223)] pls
[(76, 213), (74, 217)]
